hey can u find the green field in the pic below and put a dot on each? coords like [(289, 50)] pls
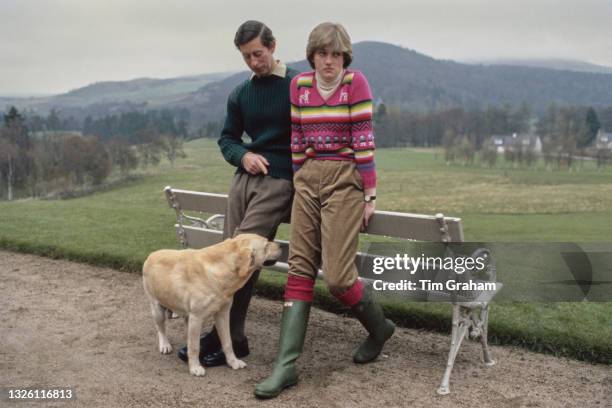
[(120, 227)]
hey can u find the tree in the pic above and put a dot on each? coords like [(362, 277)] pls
[(122, 155), (466, 150), (520, 118), (488, 153), (605, 117), (448, 142), (53, 121), (529, 155), (150, 152), (97, 162), (46, 158), (592, 127), (182, 129), (510, 155), (12, 116), (384, 138), (86, 157), (602, 156), (8, 154), (548, 151), (72, 160), (546, 124), (15, 162), (34, 122), (173, 147)]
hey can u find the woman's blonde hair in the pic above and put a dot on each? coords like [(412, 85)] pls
[(333, 35)]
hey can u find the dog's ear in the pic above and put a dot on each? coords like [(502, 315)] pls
[(246, 261)]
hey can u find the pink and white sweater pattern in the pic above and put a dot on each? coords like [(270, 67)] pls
[(339, 128)]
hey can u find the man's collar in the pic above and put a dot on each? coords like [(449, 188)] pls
[(280, 70)]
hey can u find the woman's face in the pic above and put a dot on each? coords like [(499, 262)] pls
[(328, 63)]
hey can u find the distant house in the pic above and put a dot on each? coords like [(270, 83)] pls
[(515, 141), (603, 140)]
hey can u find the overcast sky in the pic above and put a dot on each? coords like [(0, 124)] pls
[(52, 46)]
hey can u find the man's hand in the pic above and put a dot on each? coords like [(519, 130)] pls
[(255, 163)]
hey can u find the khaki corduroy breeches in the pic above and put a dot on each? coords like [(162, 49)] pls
[(326, 217)]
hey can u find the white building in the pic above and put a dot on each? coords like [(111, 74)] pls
[(603, 140), (515, 141)]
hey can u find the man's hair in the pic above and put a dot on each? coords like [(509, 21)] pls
[(249, 30), (333, 35)]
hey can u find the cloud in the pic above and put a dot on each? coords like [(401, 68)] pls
[(56, 45)]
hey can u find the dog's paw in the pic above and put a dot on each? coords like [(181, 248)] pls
[(165, 348), (236, 364), (198, 371)]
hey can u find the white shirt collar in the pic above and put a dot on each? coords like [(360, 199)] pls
[(280, 70)]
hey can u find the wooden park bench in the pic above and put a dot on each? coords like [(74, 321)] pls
[(469, 315)]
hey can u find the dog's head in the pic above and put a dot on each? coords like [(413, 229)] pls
[(255, 251)]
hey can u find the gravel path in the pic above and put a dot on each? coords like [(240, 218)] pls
[(68, 324)]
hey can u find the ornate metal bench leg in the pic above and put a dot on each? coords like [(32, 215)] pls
[(460, 327), (486, 354)]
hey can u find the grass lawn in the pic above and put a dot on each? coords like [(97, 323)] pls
[(120, 227)]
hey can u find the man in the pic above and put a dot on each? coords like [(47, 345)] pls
[(261, 191)]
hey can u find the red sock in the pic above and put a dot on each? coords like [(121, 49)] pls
[(352, 295), (299, 288)]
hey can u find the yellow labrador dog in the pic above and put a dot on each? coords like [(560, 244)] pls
[(200, 284)]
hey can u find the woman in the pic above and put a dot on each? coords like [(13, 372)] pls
[(335, 190)]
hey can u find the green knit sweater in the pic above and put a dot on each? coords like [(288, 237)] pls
[(260, 108)]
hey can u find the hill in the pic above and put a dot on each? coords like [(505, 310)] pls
[(108, 96), (415, 81), (398, 76), (154, 91), (550, 63)]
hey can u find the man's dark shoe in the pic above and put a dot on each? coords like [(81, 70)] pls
[(209, 343), (211, 354), (217, 358)]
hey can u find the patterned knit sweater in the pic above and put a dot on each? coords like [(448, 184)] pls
[(337, 129)]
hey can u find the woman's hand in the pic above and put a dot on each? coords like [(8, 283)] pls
[(368, 211)]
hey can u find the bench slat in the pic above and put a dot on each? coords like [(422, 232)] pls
[(198, 201), (413, 226), (198, 237)]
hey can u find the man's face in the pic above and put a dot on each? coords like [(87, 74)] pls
[(259, 58)]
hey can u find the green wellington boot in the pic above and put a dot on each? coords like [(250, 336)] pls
[(371, 316), (293, 331)]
